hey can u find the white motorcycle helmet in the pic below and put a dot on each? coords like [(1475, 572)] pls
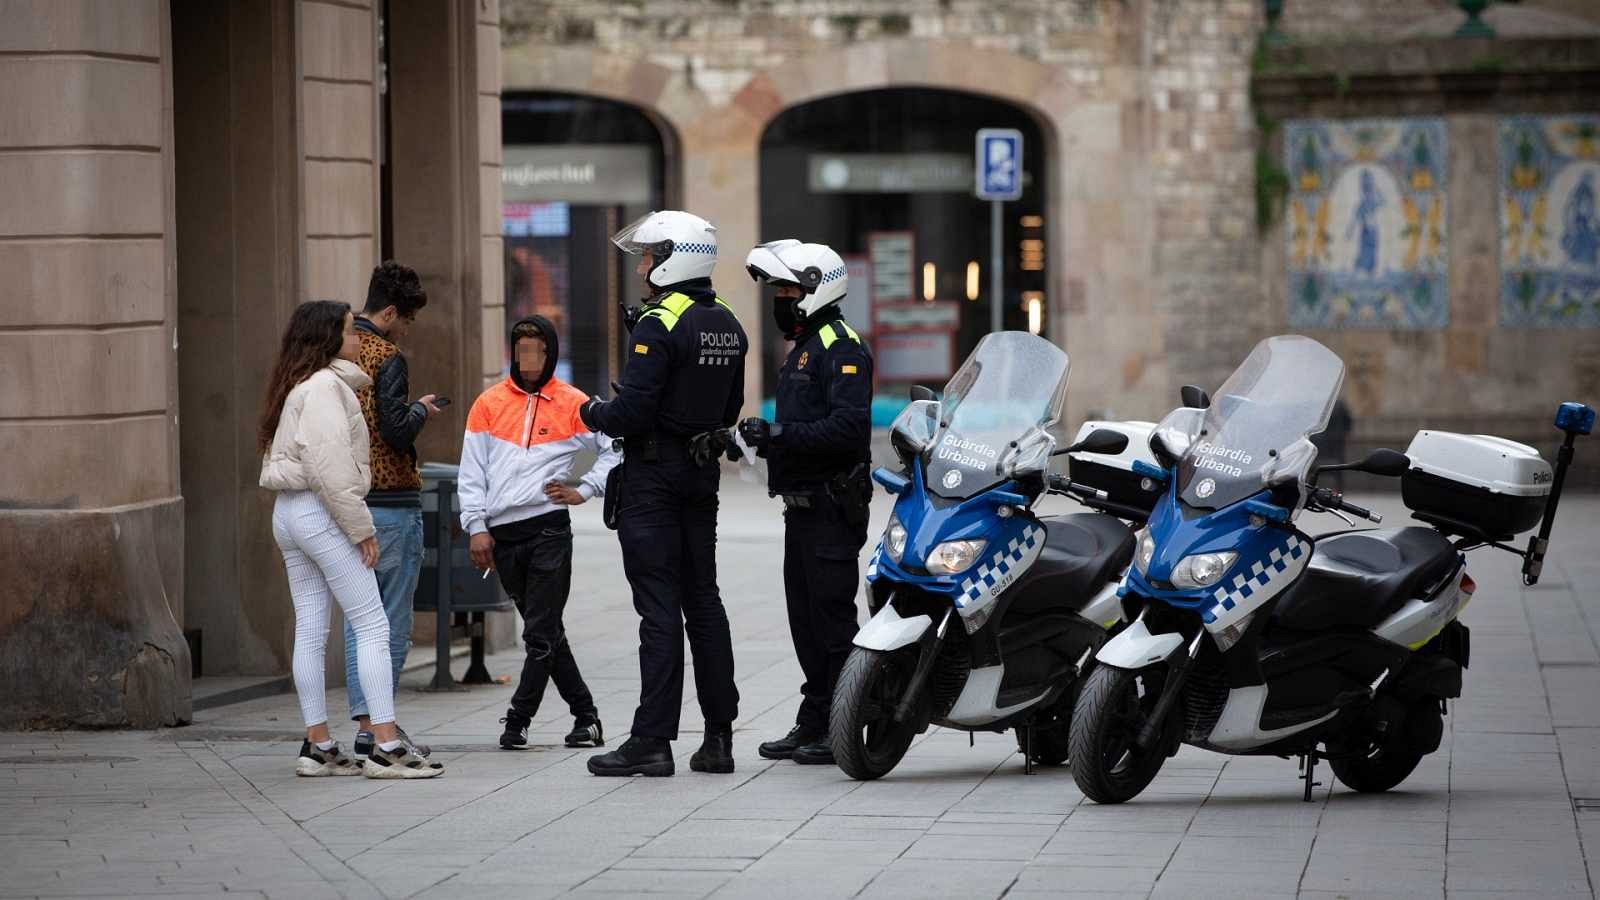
[(815, 268), (683, 244)]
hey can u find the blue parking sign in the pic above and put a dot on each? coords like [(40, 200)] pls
[(999, 164)]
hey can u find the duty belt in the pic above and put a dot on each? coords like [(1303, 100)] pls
[(796, 501)]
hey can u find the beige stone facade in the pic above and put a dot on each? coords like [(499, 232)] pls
[(1144, 107), (178, 175), (1159, 273)]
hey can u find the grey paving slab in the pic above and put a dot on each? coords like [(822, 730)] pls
[(215, 808)]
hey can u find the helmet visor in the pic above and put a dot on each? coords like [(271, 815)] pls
[(624, 239), (765, 267)]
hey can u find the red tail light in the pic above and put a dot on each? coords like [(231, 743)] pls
[(1467, 584)]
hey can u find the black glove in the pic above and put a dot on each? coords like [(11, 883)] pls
[(707, 446), (758, 433), (586, 412)]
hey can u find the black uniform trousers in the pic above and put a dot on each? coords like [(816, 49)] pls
[(820, 575), (537, 575), (668, 530)]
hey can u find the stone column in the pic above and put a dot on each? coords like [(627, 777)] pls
[(91, 532), (443, 62), (239, 227)]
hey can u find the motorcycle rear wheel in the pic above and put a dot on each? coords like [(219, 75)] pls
[(1376, 773), (1112, 706), (867, 742)]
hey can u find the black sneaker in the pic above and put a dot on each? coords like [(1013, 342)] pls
[(586, 733), (315, 762), (816, 753), (715, 754), (362, 746), (401, 762), (783, 747), (515, 736), (651, 757)]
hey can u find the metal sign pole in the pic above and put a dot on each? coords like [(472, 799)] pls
[(996, 309), (442, 680), (998, 165)]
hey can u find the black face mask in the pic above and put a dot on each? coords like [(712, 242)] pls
[(786, 312)]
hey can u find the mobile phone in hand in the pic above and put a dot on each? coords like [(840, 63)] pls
[(441, 402)]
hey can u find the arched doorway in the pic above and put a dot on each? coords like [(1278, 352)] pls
[(576, 170), (886, 177)]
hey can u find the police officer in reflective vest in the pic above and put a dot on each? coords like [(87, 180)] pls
[(681, 390), (818, 453)]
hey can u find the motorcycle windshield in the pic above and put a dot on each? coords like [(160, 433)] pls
[(1253, 434), (1013, 385)]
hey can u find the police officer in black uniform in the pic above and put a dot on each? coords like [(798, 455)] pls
[(818, 453), (681, 390)]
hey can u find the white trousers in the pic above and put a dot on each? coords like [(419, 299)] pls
[(325, 567)]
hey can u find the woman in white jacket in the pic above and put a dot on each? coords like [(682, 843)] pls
[(316, 458)]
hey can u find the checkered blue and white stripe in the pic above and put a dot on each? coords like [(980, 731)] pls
[(1245, 591), (689, 247), (834, 275), (872, 562), (992, 577)]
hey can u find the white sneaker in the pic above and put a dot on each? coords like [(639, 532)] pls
[(401, 762), (317, 763)]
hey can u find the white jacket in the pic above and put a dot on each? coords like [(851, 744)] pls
[(322, 446), (516, 443)]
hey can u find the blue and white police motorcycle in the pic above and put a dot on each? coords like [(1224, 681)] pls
[(1247, 635), (984, 614)]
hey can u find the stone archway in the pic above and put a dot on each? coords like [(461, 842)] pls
[(1100, 211)]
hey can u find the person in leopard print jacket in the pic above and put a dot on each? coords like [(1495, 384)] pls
[(394, 296)]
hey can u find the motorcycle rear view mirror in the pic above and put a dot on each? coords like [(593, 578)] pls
[(1100, 440), (1194, 397), (921, 392), (1382, 461)]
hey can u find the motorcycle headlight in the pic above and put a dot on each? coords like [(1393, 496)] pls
[(1145, 550), (894, 539), (1202, 569), (951, 557)]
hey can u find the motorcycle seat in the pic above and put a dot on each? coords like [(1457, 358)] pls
[(1081, 553), (1359, 578)]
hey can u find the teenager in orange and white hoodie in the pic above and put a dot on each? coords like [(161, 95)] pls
[(522, 437)]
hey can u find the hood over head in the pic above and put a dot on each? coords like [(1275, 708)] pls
[(552, 351)]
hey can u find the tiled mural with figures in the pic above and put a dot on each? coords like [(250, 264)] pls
[(1549, 221), (1367, 225)]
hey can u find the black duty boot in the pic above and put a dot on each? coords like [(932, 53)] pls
[(783, 748), (637, 756), (716, 753), (586, 732), (516, 733), (817, 753)]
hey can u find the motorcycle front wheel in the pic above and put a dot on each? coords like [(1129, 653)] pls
[(867, 742), (1112, 706)]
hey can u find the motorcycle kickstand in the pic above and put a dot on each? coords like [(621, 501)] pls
[(1027, 749), (1308, 766)]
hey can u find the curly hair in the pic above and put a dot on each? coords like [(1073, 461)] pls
[(312, 341), (395, 285)]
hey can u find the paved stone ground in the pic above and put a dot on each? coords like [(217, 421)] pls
[(216, 808)]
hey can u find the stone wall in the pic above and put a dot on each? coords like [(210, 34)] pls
[(1484, 363), (1144, 105), (90, 598)]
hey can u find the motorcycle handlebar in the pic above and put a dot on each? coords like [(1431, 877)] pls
[(1330, 499), (1061, 484)]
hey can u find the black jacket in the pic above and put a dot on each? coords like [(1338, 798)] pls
[(824, 403), (685, 370)]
